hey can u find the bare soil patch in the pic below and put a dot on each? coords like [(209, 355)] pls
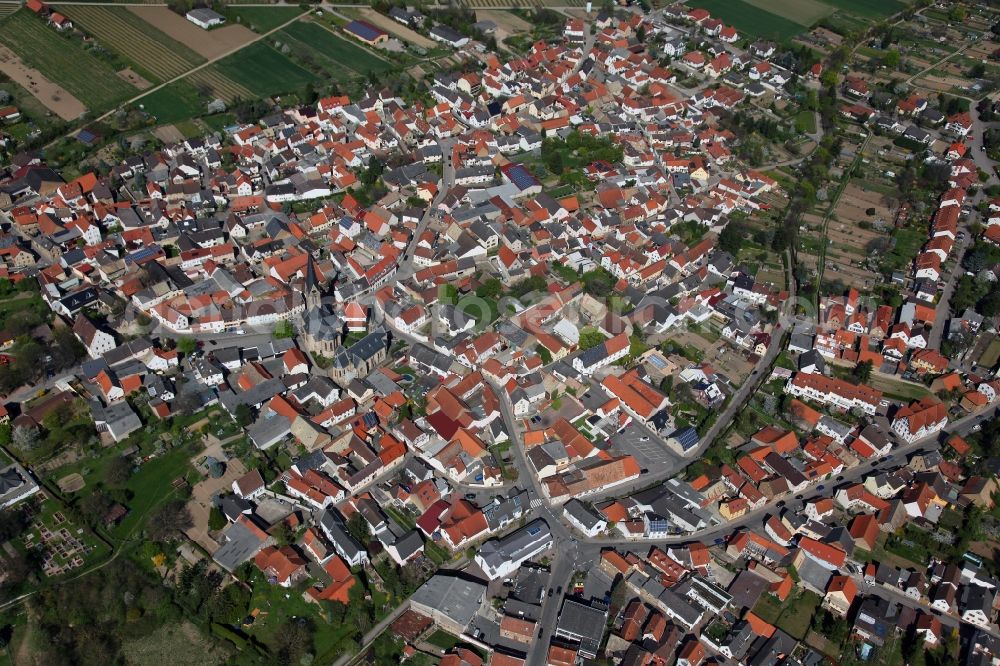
[(168, 134), (396, 28), (210, 44), (942, 83), (71, 483), (53, 96), (135, 79), (848, 249)]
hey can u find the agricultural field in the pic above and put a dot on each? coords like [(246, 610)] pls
[(222, 41), (333, 50), (262, 19), (750, 20), (211, 81), (122, 31), (868, 8), (504, 4), (64, 61), (803, 12), (784, 19), (261, 70)]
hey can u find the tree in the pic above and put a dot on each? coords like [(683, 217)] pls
[(118, 471), (25, 438), (283, 534), (169, 521), (95, 506), (863, 372), (732, 237), (891, 59), (554, 162), (590, 337), (357, 527), (491, 289), (598, 282), (244, 416), (187, 345), (989, 305), (294, 640)]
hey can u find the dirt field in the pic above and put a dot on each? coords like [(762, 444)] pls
[(135, 79), (396, 28), (507, 24), (71, 483), (942, 83), (847, 249), (48, 93), (168, 134), (980, 50), (220, 41)]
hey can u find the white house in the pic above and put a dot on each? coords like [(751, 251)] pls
[(205, 18), (584, 519), (920, 419), (499, 558)]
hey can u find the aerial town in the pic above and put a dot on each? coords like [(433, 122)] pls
[(474, 334)]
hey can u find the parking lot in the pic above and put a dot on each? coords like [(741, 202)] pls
[(649, 451)]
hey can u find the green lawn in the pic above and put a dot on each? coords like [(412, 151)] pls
[(442, 639), (65, 61), (907, 244), (10, 306), (793, 615), (262, 70), (151, 485), (261, 19), (174, 102), (893, 388), (219, 121), (749, 20), (280, 606), (805, 122), (334, 49)]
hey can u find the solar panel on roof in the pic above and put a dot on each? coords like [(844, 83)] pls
[(364, 30), (144, 253)]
